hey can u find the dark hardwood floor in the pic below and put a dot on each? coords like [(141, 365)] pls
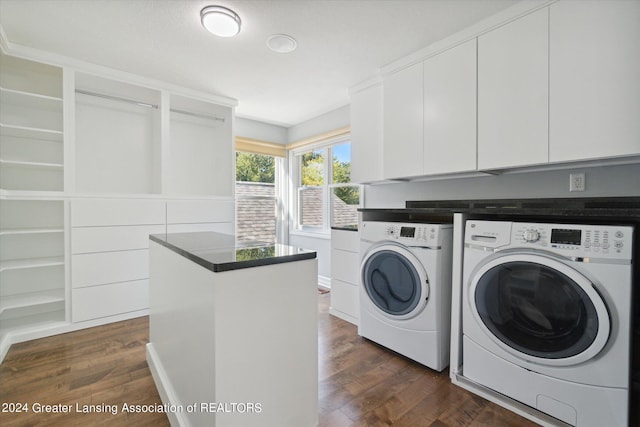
[(361, 383)]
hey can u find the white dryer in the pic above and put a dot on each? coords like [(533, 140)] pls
[(547, 316), (405, 289)]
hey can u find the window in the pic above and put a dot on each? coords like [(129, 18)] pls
[(258, 200), (325, 196), (344, 196)]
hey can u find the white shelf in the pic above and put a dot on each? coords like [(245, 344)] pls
[(31, 299), (36, 165), (30, 132), (21, 97), (21, 231), (31, 110), (33, 322), (23, 75), (30, 263), (31, 195)]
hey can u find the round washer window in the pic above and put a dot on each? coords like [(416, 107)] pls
[(392, 282), (536, 310)]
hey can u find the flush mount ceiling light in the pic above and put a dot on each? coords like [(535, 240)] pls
[(282, 43), (220, 21)]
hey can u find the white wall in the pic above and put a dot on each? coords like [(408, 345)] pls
[(332, 120), (258, 130), (602, 181), (335, 119)]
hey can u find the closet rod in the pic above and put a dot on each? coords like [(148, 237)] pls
[(116, 98), (202, 116)]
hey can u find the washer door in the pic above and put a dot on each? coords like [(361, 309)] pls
[(539, 309), (395, 281)]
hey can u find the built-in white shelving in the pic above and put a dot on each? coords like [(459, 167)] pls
[(31, 231), (32, 225), (29, 300), (78, 139), (19, 264), (30, 132)]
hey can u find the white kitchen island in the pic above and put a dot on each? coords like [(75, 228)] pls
[(233, 331)]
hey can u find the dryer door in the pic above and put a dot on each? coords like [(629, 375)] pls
[(539, 309), (395, 281)]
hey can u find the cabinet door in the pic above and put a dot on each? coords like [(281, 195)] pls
[(402, 143), (450, 110), (109, 267), (345, 266), (108, 300), (594, 79), (200, 211), (105, 212), (366, 135), (513, 84)]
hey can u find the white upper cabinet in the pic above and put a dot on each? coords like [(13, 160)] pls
[(403, 111), (513, 93), (450, 110), (594, 79), (366, 135)]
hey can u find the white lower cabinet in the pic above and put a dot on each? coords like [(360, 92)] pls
[(217, 227), (112, 212), (109, 267), (110, 255), (110, 248), (345, 301), (96, 302), (187, 216), (86, 240), (345, 269)]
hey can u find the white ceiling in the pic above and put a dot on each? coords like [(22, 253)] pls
[(340, 43)]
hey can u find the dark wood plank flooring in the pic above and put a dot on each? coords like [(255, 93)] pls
[(361, 383)]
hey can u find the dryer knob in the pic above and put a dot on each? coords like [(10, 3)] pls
[(531, 236)]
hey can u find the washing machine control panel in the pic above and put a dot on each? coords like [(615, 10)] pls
[(576, 240), (571, 240)]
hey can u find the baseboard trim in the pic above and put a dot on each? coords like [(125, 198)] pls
[(324, 281), (344, 316), (165, 389)]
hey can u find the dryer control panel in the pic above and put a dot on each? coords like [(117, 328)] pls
[(571, 240), (406, 233)]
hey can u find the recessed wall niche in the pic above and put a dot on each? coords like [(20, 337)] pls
[(117, 137), (201, 148)]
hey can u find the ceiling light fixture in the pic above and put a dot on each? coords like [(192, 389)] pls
[(220, 21), (282, 43)]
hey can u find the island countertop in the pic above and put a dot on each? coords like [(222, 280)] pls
[(220, 252)]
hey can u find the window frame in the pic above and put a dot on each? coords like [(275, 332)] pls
[(280, 155), (295, 169)]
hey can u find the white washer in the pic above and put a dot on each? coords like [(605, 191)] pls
[(546, 316), (405, 289)]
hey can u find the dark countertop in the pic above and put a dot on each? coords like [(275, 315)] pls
[(626, 209), (220, 252), (353, 227)]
